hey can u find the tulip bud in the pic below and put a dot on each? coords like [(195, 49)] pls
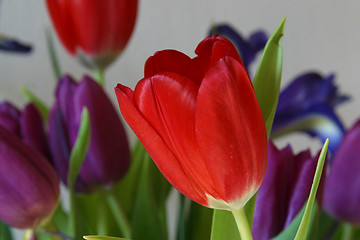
[(26, 124), (284, 191), (29, 186), (342, 186), (200, 121), (96, 30), (108, 155)]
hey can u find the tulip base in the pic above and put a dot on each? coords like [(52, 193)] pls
[(242, 224)]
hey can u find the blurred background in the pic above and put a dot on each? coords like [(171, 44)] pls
[(320, 35)]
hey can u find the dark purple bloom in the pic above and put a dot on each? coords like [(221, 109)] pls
[(108, 156), (26, 124), (8, 44), (342, 186), (307, 105), (29, 186), (284, 191), (247, 48)]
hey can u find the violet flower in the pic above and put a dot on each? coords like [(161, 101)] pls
[(108, 156), (284, 191), (247, 48), (307, 105), (29, 186), (26, 124), (342, 186)]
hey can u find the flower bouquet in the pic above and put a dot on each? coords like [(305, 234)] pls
[(204, 156)]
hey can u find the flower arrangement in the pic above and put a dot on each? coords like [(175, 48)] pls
[(205, 128)]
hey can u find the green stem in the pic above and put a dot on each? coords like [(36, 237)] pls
[(181, 221), (348, 231), (52, 53), (102, 224), (72, 216), (119, 215), (99, 77), (242, 224)]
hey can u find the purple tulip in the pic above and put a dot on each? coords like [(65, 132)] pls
[(29, 186), (283, 192), (342, 186), (247, 48), (26, 124), (108, 156)]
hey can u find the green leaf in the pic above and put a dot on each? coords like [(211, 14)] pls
[(40, 105), (101, 238), (126, 189), (77, 157), (305, 222), (290, 231), (268, 77), (224, 226), (147, 219), (198, 223), (80, 148), (60, 219), (52, 54), (5, 232)]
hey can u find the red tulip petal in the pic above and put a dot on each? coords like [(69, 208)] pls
[(109, 31), (60, 13), (231, 130), (176, 100), (213, 48), (152, 141), (175, 62)]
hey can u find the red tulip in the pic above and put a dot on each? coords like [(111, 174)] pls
[(200, 121), (96, 30)]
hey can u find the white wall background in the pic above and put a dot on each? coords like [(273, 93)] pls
[(321, 35)]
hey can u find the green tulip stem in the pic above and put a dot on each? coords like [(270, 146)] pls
[(348, 231), (242, 224), (119, 215), (52, 54), (99, 77)]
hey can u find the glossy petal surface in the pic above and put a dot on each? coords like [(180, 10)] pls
[(191, 116), (247, 48), (96, 30)]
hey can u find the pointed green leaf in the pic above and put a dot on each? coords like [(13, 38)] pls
[(77, 157), (101, 238), (268, 76), (147, 221), (126, 189), (5, 232), (40, 105), (198, 223), (290, 231), (305, 222), (52, 54), (80, 148)]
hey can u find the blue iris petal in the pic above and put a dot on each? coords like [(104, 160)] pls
[(10, 45), (307, 105)]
